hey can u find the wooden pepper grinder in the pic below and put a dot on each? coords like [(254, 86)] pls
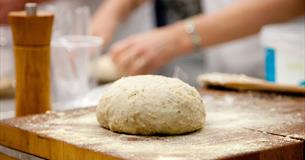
[(32, 35)]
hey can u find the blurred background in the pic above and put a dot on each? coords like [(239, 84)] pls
[(75, 49), (71, 55)]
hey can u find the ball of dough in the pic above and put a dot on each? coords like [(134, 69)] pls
[(151, 104), (104, 70)]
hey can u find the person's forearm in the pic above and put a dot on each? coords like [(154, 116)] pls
[(236, 21), (107, 18), (245, 18)]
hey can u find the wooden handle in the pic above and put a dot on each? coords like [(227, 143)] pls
[(32, 35), (32, 80)]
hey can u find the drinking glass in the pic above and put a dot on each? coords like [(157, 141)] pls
[(71, 57)]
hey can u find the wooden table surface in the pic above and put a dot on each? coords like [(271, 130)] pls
[(245, 125)]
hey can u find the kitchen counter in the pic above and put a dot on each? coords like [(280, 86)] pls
[(239, 125)]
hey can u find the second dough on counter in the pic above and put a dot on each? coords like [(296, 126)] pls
[(104, 70)]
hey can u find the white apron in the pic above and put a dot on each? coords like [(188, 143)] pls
[(244, 55)]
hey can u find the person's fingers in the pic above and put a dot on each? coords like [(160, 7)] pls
[(140, 65), (118, 49), (149, 63), (127, 59)]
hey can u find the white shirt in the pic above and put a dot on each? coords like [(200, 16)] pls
[(244, 55)]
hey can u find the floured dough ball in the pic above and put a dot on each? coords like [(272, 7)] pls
[(104, 70), (151, 104)]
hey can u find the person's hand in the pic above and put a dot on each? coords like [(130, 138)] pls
[(9, 5), (147, 52)]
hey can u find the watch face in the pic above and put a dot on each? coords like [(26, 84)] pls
[(170, 11)]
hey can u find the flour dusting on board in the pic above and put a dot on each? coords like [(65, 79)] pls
[(228, 115)]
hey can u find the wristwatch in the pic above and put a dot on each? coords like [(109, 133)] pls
[(190, 29)]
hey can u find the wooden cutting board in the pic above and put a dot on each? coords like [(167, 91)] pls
[(239, 125)]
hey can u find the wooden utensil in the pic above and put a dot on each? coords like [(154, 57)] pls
[(243, 82), (32, 35)]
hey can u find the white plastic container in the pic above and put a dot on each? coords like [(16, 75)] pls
[(284, 46)]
